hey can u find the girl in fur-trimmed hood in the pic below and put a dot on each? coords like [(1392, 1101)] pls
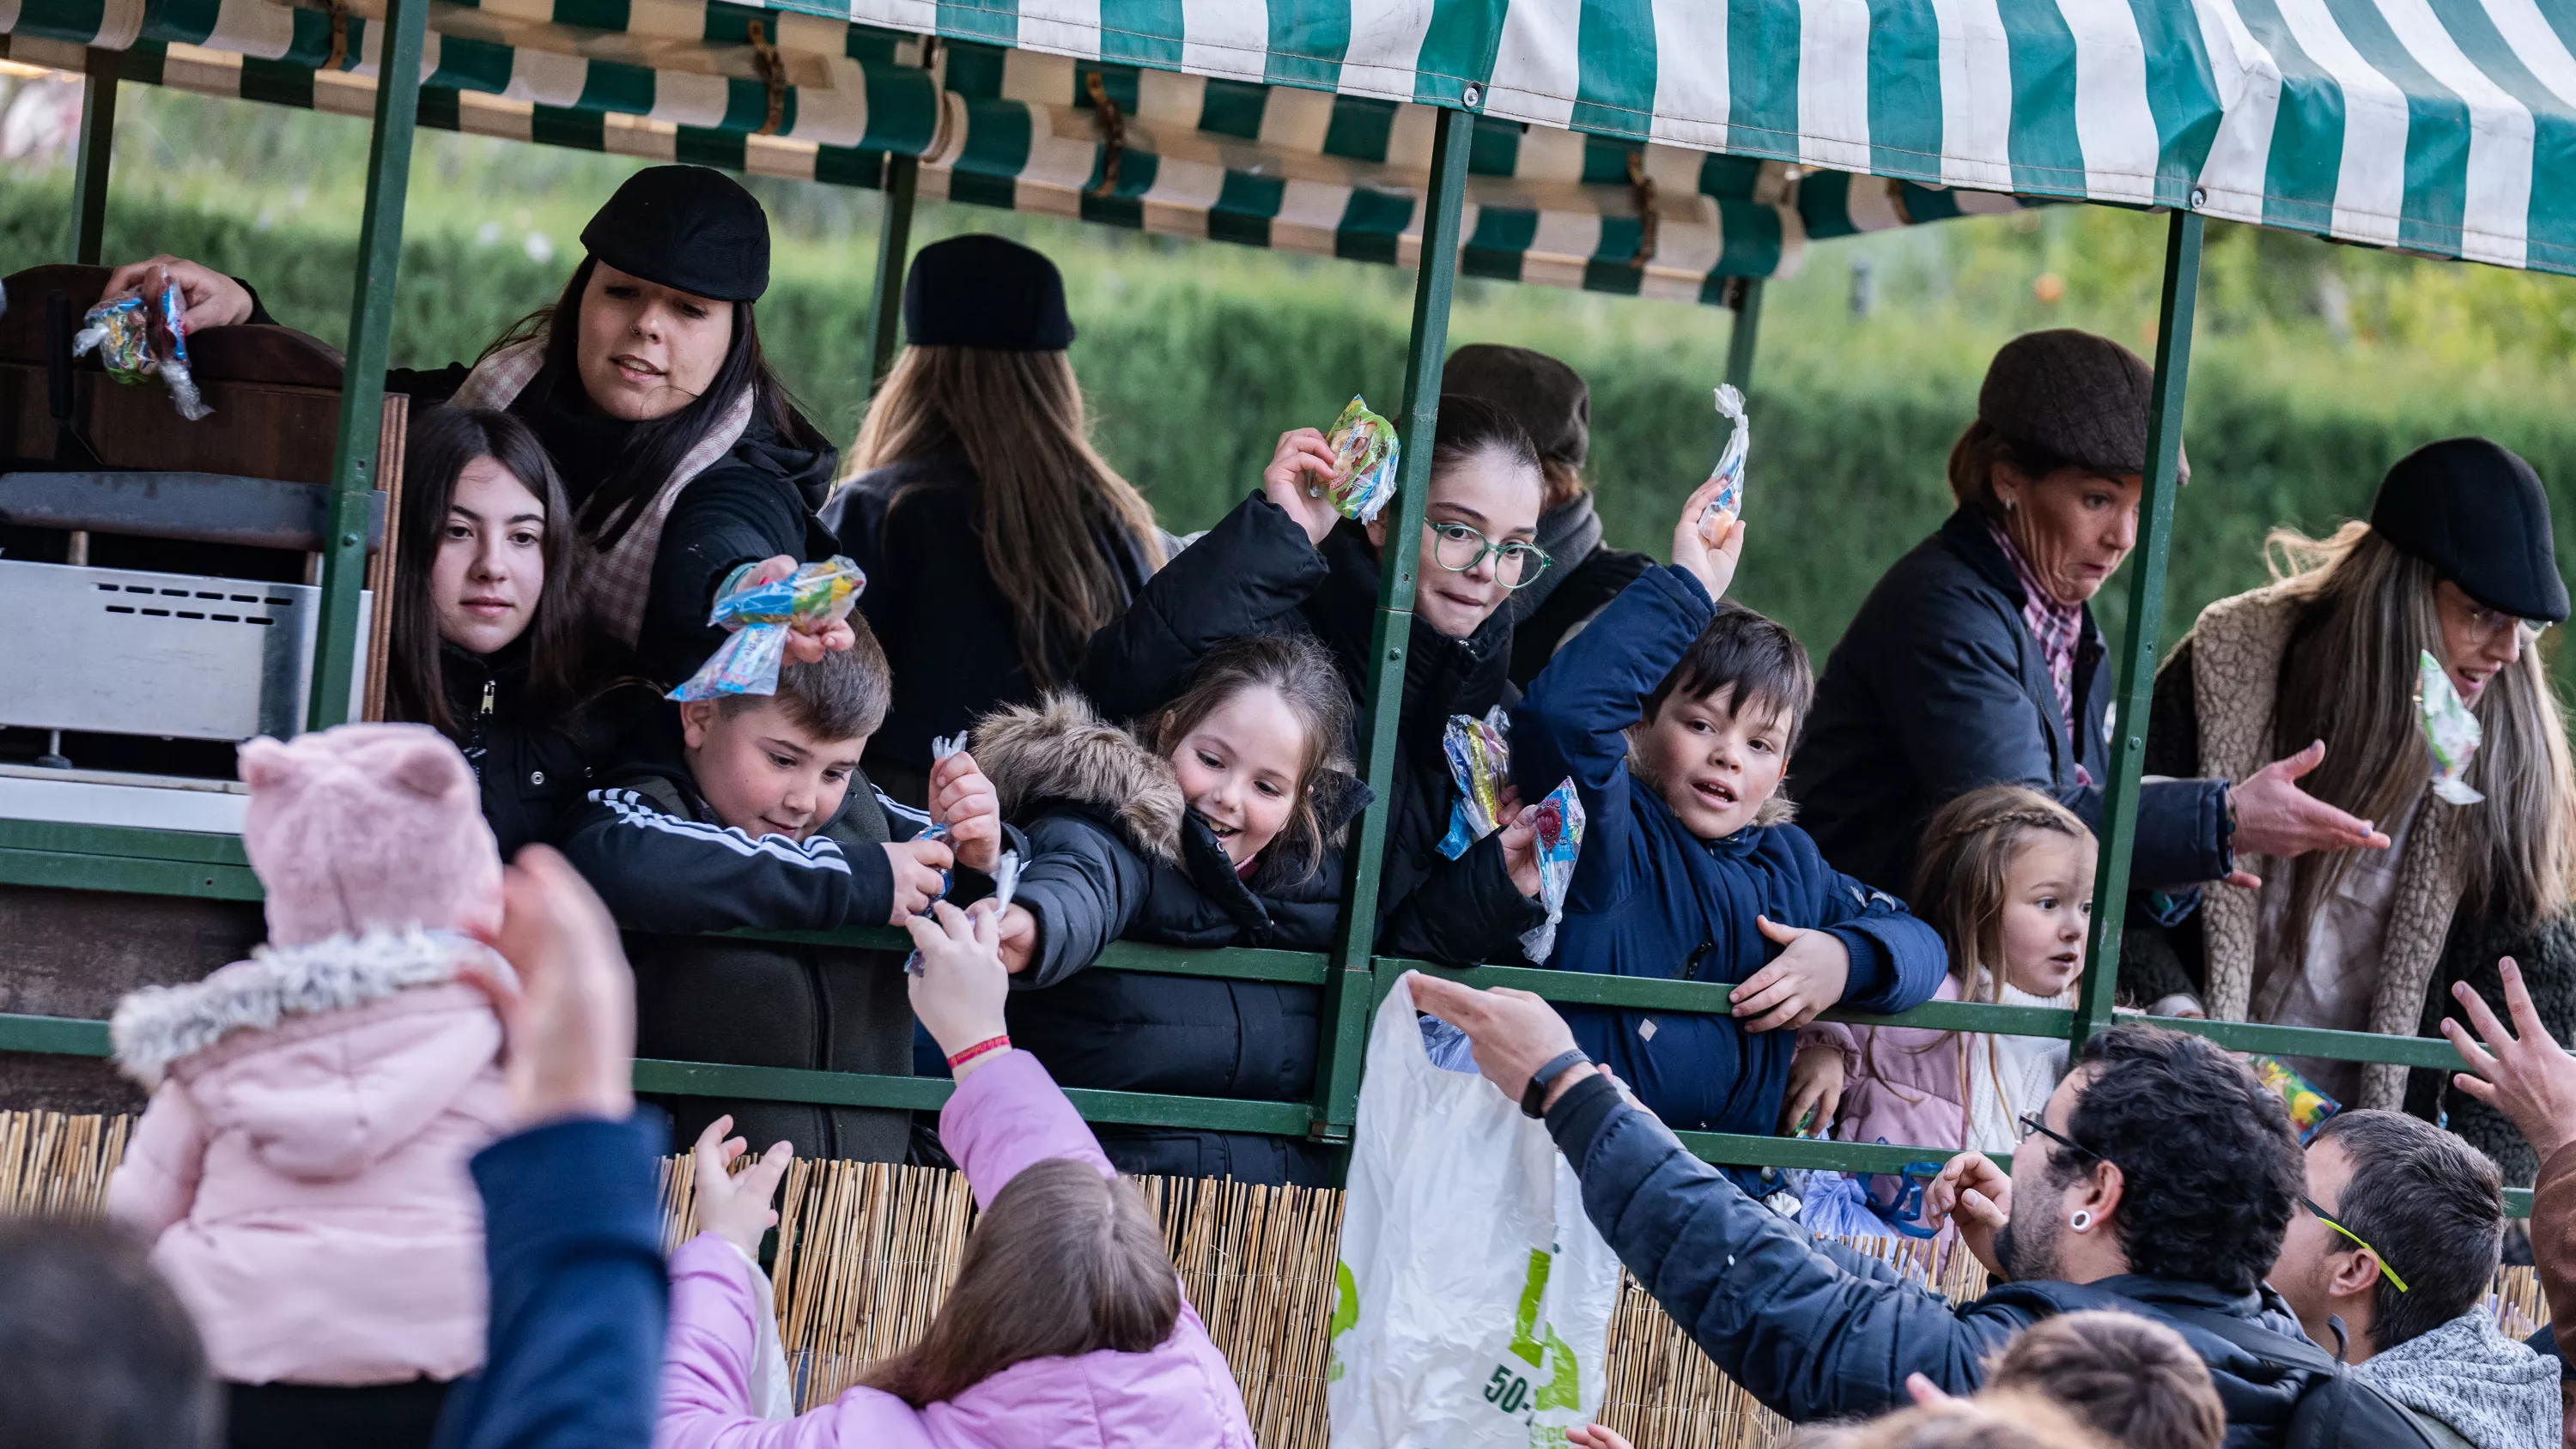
[(1215, 822), (302, 1163)]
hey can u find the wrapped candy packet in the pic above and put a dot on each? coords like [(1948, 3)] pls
[(1560, 837), (1366, 447), (1729, 472), (762, 616), (1480, 758), (1006, 869), (2309, 1108), (2450, 731), (136, 338)]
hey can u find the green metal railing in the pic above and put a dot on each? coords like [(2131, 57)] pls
[(1352, 977)]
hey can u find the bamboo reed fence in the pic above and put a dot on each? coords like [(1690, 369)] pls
[(866, 1251)]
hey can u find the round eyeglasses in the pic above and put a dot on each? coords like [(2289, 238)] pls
[(1459, 548)]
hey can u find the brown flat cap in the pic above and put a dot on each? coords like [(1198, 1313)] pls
[(1544, 395), (2081, 397)]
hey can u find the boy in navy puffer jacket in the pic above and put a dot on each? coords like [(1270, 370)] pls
[(1674, 714)]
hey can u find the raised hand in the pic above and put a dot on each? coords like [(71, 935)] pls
[(733, 1208), (1295, 481), (2521, 1072), (1707, 547), (2275, 817), (1799, 984), (961, 988)]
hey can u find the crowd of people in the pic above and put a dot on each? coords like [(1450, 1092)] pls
[(1160, 735)]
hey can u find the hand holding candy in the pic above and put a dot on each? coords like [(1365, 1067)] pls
[(1299, 478), (965, 802), (807, 641), (1365, 452), (1705, 546), (772, 606), (1558, 824), (212, 299), (919, 865)]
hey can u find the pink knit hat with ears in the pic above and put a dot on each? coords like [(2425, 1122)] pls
[(366, 826)]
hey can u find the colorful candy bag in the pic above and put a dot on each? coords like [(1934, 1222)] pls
[(2309, 1108), (1480, 756), (136, 338), (1560, 837), (762, 615), (1729, 472), (1367, 447), (2449, 730)]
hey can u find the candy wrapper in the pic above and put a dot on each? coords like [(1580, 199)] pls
[(1480, 761), (1729, 472), (1006, 869), (2309, 1108), (1560, 836), (1366, 447), (136, 338), (2450, 731), (762, 616)]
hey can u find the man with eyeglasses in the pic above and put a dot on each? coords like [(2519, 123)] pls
[(2157, 1180), (2387, 1259)]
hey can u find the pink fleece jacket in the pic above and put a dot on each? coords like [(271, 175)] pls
[(1900, 1083), (1006, 1116)]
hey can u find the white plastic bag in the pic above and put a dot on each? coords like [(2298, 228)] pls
[(1475, 1296)]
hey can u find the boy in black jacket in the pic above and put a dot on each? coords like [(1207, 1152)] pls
[(752, 814)]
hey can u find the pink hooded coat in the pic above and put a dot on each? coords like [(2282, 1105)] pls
[(302, 1163), (1006, 1116)]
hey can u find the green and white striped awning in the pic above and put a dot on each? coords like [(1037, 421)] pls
[(1655, 146)]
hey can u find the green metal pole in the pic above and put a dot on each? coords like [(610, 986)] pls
[(337, 643), (1747, 330), (97, 146), (1347, 997), (2146, 606), (894, 245)]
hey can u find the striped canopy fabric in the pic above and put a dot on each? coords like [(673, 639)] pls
[(1654, 146)]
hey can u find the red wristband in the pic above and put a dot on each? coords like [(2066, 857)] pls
[(988, 1044)]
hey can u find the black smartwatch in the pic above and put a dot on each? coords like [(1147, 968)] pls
[(1535, 1094)]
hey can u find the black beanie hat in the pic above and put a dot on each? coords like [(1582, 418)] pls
[(985, 291), (2080, 397), (1546, 396), (688, 228), (2480, 517)]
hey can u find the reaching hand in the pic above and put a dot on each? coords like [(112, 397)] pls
[(917, 864), (2529, 1078), (569, 1019), (1799, 984), (1708, 548), (960, 992), (1019, 939), (1520, 851), (1815, 1083), (2275, 817), (967, 803), (212, 299), (733, 1208), (1295, 481), (1514, 1033), (806, 643), (1977, 1196)]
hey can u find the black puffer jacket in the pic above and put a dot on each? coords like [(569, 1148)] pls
[(1256, 573), (1117, 853), (946, 626), (532, 770)]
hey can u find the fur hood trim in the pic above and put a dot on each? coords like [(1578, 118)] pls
[(158, 1026), (1061, 749)]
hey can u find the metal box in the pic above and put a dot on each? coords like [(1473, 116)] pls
[(116, 651)]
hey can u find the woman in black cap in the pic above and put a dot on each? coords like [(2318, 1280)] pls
[(682, 453), (2455, 562), (1976, 661), (995, 538)]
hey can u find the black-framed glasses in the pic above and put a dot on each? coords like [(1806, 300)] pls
[(2329, 1219), (2030, 1123), (1459, 548)]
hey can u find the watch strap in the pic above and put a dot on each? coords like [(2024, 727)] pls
[(1535, 1094)]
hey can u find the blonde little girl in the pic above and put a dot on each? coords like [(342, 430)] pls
[(2006, 877)]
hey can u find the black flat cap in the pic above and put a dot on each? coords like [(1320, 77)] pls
[(1546, 396), (685, 227), (2081, 397), (985, 291), (2480, 517)]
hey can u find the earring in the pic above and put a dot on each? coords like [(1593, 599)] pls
[(2081, 1220), (2010, 505)]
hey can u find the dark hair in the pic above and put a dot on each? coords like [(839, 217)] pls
[(2431, 1205), (2132, 1379), (1064, 1262), (1301, 672), (2210, 1169), (99, 1351), (1470, 427), (441, 444), (841, 696), (653, 449), (1974, 456), (1757, 656)]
